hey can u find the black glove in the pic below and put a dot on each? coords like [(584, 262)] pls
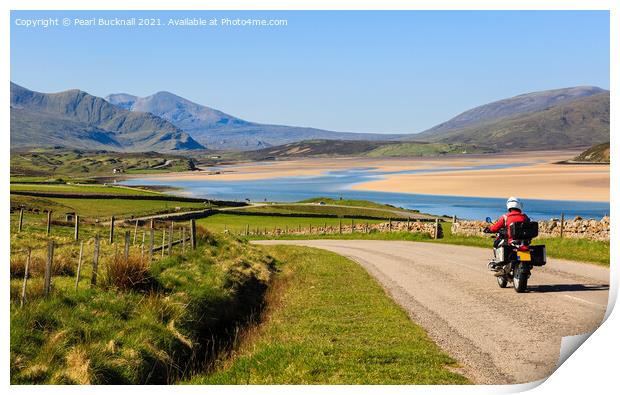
[(486, 230)]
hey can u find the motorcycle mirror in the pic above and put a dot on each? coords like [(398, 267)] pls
[(489, 220)]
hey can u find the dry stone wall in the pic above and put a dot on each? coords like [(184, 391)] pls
[(394, 226), (578, 228)]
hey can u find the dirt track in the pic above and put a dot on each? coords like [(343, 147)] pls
[(498, 336)]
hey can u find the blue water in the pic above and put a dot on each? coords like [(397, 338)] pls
[(336, 184)]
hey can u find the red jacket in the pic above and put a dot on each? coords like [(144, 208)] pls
[(505, 220)]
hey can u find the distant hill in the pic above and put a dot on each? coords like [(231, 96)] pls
[(330, 148), (222, 131), (597, 154), (577, 122), (75, 119), (511, 107)]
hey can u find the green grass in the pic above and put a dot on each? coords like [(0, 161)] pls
[(237, 223), (331, 323), (99, 208), (105, 335), (354, 203), (83, 189), (420, 150), (324, 210), (124, 208)]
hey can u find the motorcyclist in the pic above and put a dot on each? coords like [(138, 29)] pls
[(502, 225)]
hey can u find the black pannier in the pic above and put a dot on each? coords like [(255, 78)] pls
[(539, 255), (524, 230)]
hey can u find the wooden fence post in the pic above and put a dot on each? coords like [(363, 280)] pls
[(454, 219), (192, 233), (408, 224), (151, 243), (26, 272), (142, 245), (112, 230), (390, 224), (21, 220), (127, 236), (47, 282), (366, 226), (183, 238), (352, 226), (247, 229), (562, 225), (49, 222), (76, 230), (135, 232), (79, 268), (93, 279), (170, 237), (163, 243), (436, 228), (340, 225)]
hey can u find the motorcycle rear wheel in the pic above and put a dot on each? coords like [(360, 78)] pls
[(502, 281), (519, 281)]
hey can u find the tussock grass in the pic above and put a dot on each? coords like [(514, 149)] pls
[(125, 274), (329, 322)]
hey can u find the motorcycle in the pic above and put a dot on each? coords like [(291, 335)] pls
[(513, 262)]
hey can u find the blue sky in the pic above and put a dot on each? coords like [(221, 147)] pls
[(358, 71)]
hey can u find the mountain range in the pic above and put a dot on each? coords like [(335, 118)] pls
[(76, 119), (221, 131), (561, 118)]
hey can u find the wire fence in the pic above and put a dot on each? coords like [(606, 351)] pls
[(63, 252), (76, 249)]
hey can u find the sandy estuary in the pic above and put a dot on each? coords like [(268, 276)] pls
[(471, 186)]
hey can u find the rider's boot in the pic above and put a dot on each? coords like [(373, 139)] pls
[(494, 266)]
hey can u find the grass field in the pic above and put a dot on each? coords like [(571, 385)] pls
[(329, 322), (348, 211), (93, 189), (96, 208), (237, 223), (100, 208), (141, 324), (355, 203)]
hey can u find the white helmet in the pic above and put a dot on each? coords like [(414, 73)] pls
[(514, 202)]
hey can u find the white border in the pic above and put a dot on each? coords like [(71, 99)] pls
[(591, 368)]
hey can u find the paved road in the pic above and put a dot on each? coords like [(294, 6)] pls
[(499, 336)]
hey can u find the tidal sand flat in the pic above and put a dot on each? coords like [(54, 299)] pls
[(536, 181), (533, 175)]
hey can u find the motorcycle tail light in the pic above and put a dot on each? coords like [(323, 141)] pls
[(524, 248)]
